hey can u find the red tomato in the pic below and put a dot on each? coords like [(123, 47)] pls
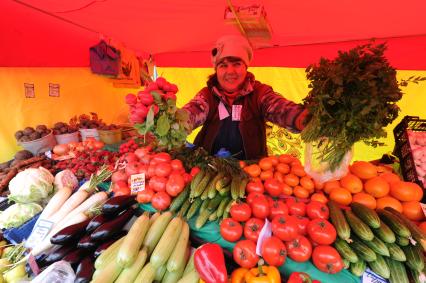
[(150, 172), (145, 196), (119, 175), (240, 212), (157, 183), (175, 184), (130, 157), (299, 249), (327, 259), (176, 164), (273, 187), (260, 207), (187, 178), (316, 209), (161, 201), (143, 168), (302, 223), (274, 251), (245, 254), (300, 277), (278, 207), (122, 191), (146, 159), (255, 187), (251, 197), (321, 231), (163, 169), (142, 152), (231, 230), (297, 208), (194, 171), (162, 157), (252, 228), (284, 227), (132, 168)]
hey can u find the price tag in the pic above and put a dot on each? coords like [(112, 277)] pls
[(265, 233), (223, 113), (33, 265), (236, 112), (40, 231), (423, 208), (370, 277), (137, 183)]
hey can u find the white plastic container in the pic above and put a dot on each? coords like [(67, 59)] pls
[(40, 145), (67, 138), (89, 133)]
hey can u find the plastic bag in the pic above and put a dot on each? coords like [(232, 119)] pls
[(58, 272)]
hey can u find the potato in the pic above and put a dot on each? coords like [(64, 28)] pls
[(41, 128), (59, 125), (25, 138), (28, 130), (35, 136), (19, 135)]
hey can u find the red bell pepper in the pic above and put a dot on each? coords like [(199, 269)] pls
[(301, 277), (209, 262)]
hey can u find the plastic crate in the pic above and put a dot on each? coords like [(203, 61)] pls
[(403, 148)]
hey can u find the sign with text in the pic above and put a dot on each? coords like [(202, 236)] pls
[(137, 183), (29, 90)]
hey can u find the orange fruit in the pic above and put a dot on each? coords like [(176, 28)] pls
[(422, 226), (286, 189), (389, 202), (413, 211), (365, 199), (307, 183), (283, 168), (253, 170), (319, 197), (363, 169), (266, 174), (265, 163), (298, 170), (286, 158), (406, 191), (377, 187), (295, 162), (390, 177), (352, 183), (279, 176), (274, 159), (341, 196), (300, 192), (330, 185), (291, 180)]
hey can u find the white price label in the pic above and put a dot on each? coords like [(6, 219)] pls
[(370, 277), (137, 183), (40, 231), (236, 112), (265, 233)]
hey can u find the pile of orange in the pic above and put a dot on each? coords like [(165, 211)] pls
[(289, 172), (376, 187)]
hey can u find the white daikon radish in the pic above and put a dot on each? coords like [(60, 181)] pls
[(56, 202)]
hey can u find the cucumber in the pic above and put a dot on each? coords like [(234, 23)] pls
[(346, 263), (358, 268), (242, 188), (380, 267), (156, 231), (366, 214), (202, 218), (402, 241), (339, 221), (201, 187), (397, 226), (211, 188), (195, 182), (214, 203), (194, 208), (345, 250), (222, 206), (414, 257), (204, 205), (385, 233), (378, 246), (362, 250), (179, 200), (396, 253), (235, 188), (361, 229), (184, 209), (398, 274)]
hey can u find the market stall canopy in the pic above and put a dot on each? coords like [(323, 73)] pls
[(54, 33)]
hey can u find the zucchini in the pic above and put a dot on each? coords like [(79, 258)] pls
[(211, 189), (397, 226), (190, 277), (361, 229), (202, 219), (223, 182), (345, 250), (402, 241), (132, 243), (414, 257), (396, 253), (156, 230), (385, 233), (224, 191), (398, 274), (339, 221), (358, 268), (110, 252), (175, 261), (179, 200), (130, 273), (167, 242), (108, 274), (362, 250), (380, 267), (147, 274), (366, 214), (159, 273), (378, 246), (193, 208), (195, 182)]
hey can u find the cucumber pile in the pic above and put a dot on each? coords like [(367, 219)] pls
[(157, 248), (385, 241), (211, 194)]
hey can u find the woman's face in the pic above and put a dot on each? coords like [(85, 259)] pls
[(231, 74)]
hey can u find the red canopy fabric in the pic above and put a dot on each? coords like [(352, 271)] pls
[(53, 33)]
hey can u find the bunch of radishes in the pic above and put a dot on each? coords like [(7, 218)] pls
[(418, 148), (141, 103), (164, 178)]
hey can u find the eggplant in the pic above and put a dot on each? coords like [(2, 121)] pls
[(113, 227), (97, 221), (58, 254), (70, 233), (74, 257), (86, 243), (117, 204), (105, 245), (85, 270)]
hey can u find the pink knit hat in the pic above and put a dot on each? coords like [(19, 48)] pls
[(232, 46)]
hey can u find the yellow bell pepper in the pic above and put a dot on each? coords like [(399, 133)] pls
[(263, 274), (238, 275)]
